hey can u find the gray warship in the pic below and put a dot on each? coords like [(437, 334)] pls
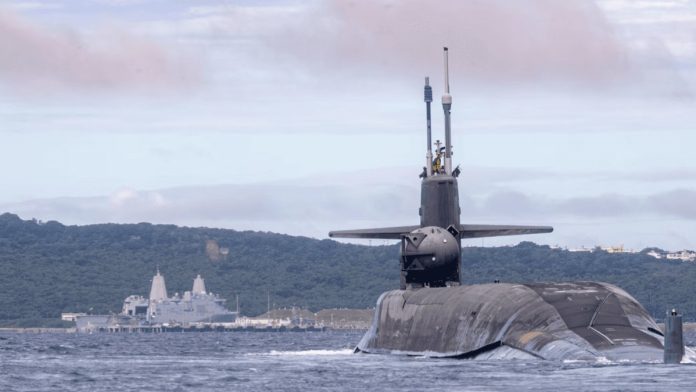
[(433, 314), (197, 306)]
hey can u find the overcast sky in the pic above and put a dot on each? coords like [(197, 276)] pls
[(304, 116)]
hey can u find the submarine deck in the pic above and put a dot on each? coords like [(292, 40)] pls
[(578, 320)]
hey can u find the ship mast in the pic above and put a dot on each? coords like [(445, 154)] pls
[(428, 97), (446, 107)]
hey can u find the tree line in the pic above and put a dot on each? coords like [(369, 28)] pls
[(47, 268)]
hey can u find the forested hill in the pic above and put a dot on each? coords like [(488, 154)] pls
[(48, 268)]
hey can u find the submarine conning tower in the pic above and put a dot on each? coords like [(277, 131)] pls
[(421, 263), (431, 251)]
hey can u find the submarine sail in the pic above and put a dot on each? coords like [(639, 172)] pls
[(430, 251), (433, 314)]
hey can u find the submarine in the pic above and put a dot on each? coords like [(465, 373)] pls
[(433, 314)]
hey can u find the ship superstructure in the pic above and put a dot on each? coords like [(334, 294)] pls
[(430, 251), (197, 306)]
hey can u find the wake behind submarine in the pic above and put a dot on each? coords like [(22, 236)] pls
[(434, 315)]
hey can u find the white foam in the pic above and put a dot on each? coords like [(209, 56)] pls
[(604, 360), (689, 355), (599, 360), (311, 353)]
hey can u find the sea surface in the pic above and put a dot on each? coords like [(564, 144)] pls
[(292, 361)]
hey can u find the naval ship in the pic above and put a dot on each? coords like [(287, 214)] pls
[(197, 306), (433, 314)]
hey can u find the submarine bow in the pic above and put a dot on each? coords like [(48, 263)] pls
[(560, 321)]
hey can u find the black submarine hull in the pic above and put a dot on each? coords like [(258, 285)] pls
[(552, 321)]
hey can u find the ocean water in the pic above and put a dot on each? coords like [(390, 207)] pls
[(319, 361)]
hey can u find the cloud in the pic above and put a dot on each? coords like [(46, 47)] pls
[(301, 208), (35, 5), (496, 40), (137, 201), (652, 176), (280, 204), (39, 59), (676, 203), (651, 12), (601, 206)]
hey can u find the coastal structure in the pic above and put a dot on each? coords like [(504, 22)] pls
[(196, 307), (198, 310), (683, 255)]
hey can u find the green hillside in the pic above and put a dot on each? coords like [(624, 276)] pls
[(48, 268)]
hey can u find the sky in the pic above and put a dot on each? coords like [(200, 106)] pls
[(301, 117)]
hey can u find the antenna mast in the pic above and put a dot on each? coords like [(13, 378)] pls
[(446, 106), (428, 97)]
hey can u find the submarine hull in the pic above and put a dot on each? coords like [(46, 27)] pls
[(554, 321)]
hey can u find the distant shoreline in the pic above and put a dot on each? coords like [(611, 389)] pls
[(39, 330), (688, 327), (74, 330)]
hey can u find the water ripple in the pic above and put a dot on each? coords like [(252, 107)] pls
[(291, 362)]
